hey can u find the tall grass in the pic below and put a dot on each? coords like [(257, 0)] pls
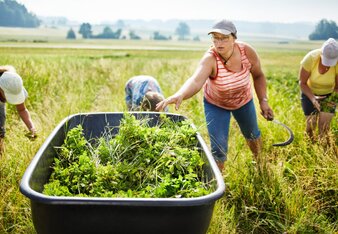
[(295, 191)]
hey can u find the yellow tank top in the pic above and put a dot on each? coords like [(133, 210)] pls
[(319, 84)]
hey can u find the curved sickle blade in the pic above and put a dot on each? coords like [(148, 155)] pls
[(291, 136)]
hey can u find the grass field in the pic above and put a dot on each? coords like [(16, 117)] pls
[(295, 192)]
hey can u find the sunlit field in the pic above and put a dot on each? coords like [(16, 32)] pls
[(294, 191)]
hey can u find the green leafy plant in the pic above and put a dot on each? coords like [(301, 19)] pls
[(140, 161), (329, 103)]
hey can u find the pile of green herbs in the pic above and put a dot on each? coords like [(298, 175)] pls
[(329, 104), (140, 161)]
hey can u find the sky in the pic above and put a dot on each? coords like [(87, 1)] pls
[(97, 11)]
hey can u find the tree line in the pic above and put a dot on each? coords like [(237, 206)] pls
[(182, 30), (324, 29), (13, 14)]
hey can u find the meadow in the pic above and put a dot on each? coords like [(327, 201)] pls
[(295, 190)]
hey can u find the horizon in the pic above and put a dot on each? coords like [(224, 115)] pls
[(100, 11)]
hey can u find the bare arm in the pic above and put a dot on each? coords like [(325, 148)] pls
[(192, 85), (303, 78), (259, 82), (26, 118)]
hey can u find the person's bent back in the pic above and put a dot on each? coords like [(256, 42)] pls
[(142, 93)]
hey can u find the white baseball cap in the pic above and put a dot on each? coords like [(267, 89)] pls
[(330, 53), (12, 85)]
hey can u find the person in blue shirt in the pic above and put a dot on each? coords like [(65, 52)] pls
[(142, 93)]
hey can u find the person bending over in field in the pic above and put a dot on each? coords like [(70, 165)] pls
[(143, 93), (318, 80), (224, 72), (13, 92)]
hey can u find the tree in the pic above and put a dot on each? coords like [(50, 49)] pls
[(324, 30), (13, 14), (158, 36), (182, 30), (133, 36), (118, 33), (108, 33), (86, 30), (107, 30), (71, 34), (196, 38)]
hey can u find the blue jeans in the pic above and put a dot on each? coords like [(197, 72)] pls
[(218, 121)]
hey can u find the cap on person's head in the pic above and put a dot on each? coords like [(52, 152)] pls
[(225, 27), (12, 85), (330, 53)]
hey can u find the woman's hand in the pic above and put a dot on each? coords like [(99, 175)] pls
[(316, 103), (176, 98), (266, 111), (32, 134)]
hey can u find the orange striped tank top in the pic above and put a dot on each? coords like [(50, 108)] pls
[(229, 90)]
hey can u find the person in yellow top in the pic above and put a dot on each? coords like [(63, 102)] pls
[(318, 79)]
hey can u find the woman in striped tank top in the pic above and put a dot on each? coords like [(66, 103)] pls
[(224, 73)]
